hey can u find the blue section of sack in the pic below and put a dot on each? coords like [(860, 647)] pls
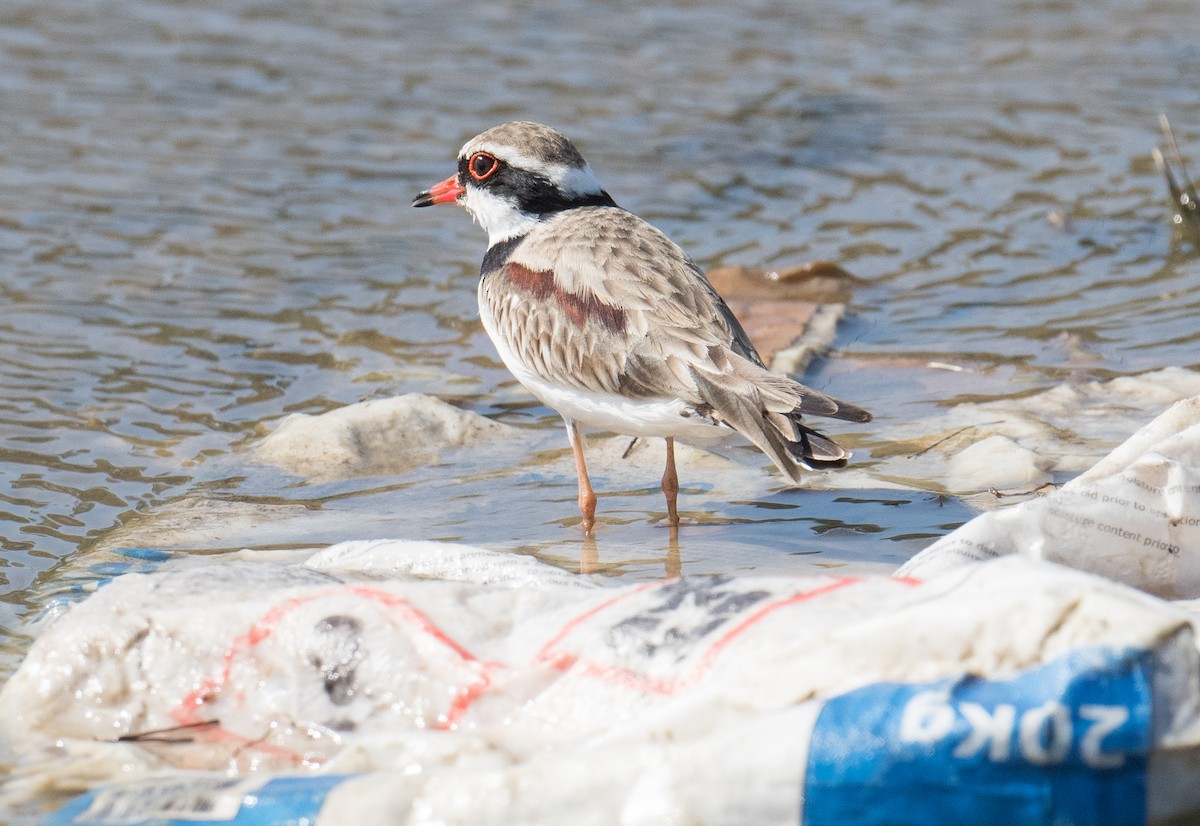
[(1065, 743), (283, 801), (81, 583)]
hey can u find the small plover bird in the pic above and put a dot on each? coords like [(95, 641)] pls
[(608, 322)]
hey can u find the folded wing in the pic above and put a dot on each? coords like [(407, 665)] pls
[(598, 300)]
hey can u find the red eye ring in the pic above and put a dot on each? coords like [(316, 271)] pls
[(482, 166)]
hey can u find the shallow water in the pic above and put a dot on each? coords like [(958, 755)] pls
[(205, 225)]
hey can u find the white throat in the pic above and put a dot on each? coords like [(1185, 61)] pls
[(500, 218)]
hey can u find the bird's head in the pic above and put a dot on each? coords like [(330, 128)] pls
[(515, 175)]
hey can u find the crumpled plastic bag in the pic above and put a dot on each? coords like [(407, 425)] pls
[(422, 683), (429, 683), (1134, 517)]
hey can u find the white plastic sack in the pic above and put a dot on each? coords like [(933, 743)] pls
[(416, 683), (423, 683), (1134, 517)]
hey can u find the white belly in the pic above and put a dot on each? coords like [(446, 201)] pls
[(604, 411), (629, 417)]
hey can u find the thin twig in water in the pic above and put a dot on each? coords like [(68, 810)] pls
[(1038, 490), (1185, 203), (947, 438), (160, 735), (629, 449)]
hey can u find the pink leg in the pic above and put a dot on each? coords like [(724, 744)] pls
[(587, 496), (670, 484)]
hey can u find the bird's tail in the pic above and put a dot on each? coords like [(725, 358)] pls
[(767, 409)]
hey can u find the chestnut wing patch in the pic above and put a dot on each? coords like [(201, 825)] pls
[(578, 307)]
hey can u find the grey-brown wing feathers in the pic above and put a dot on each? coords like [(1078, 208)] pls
[(770, 415), (742, 413), (600, 301)]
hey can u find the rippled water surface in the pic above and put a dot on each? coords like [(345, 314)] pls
[(205, 226)]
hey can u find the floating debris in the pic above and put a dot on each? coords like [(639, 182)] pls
[(1185, 204), (790, 314)]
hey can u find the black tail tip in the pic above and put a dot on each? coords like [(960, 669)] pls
[(831, 456)]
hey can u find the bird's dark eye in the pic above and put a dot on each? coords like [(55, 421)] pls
[(483, 166)]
